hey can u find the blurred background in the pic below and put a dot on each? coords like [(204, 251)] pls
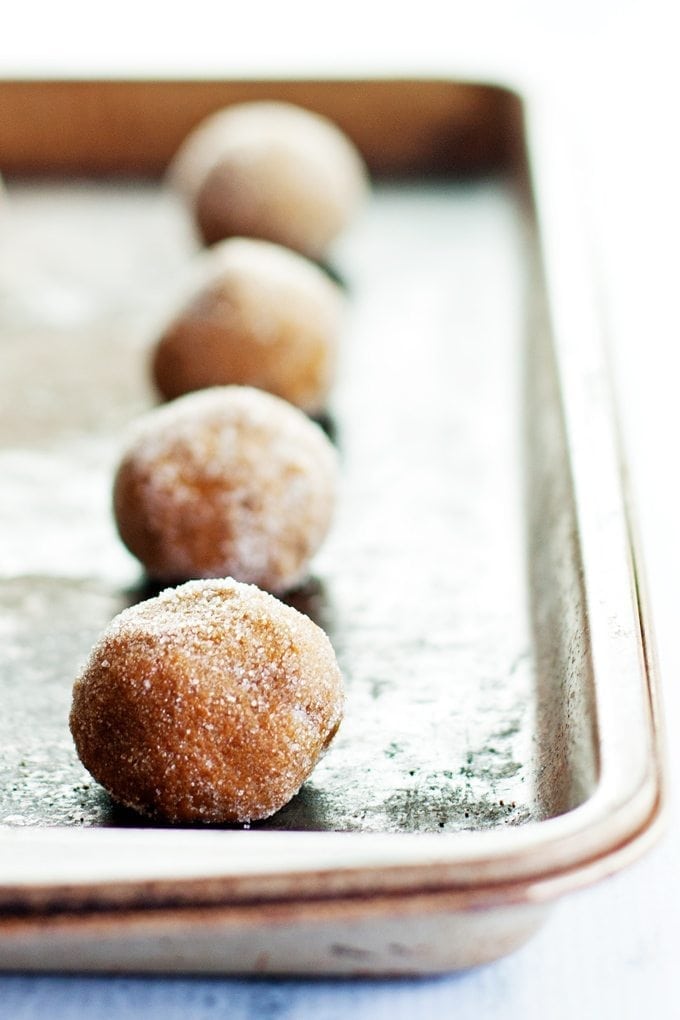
[(610, 70)]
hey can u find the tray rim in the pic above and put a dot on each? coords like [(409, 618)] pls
[(536, 861), (120, 98)]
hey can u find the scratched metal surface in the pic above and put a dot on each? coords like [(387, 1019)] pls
[(423, 584)]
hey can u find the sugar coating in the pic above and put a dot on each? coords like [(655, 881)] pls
[(212, 702), (260, 315), (228, 481), (271, 170)]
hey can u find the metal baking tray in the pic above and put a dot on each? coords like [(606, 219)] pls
[(481, 587)]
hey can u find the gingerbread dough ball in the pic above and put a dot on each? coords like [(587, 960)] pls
[(260, 316), (212, 702), (226, 482), (271, 170)]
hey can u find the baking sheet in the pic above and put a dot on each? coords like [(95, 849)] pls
[(482, 586), (423, 584)]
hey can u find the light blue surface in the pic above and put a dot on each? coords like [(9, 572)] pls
[(612, 952)]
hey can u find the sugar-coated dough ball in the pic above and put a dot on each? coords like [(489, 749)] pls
[(212, 702), (226, 482), (260, 315), (271, 170)]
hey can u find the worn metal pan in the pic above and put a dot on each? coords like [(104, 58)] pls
[(481, 586)]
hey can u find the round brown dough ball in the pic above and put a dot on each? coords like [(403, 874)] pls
[(260, 316), (226, 482), (212, 702), (274, 171)]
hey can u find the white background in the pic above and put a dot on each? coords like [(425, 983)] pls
[(612, 951)]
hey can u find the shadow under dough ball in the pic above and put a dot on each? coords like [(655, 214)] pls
[(209, 703), (271, 170), (259, 315), (230, 481)]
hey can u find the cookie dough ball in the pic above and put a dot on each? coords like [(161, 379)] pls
[(260, 316), (226, 482), (271, 170), (212, 702)]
